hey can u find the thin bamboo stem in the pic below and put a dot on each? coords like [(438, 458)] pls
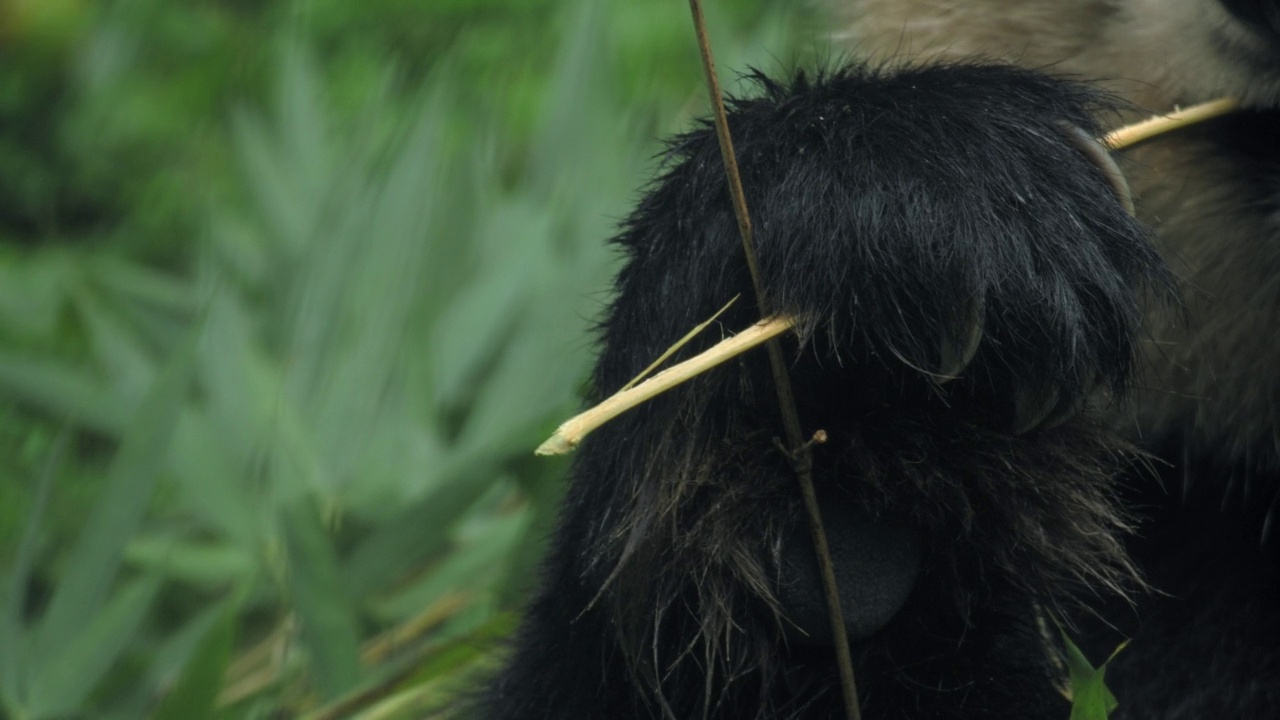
[(801, 452)]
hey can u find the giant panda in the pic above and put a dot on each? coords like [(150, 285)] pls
[(1040, 407)]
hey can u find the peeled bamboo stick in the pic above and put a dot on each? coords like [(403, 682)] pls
[(568, 435), (1130, 135)]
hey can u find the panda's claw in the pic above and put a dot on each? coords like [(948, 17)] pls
[(957, 349), (1035, 407)]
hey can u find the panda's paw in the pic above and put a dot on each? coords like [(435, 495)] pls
[(954, 227)]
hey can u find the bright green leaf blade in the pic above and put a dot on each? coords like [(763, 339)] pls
[(419, 531), (329, 629), (478, 561), (13, 665), (122, 502), (209, 564), (66, 678), (195, 695), (1090, 697), (139, 282), (116, 349), (60, 388), (1091, 700), (33, 289)]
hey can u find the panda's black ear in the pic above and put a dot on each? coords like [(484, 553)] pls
[(953, 220)]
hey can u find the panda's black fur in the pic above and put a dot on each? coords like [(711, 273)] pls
[(896, 213), (972, 299)]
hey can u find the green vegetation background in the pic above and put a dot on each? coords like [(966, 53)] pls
[(288, 293)]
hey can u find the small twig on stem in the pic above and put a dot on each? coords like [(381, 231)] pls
[(801, 452), (678, 344)]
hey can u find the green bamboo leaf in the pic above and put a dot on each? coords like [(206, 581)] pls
[(301, 109), (117, 351), (208, 563), (33, 291), (420, 531), (479, 560), (268, 178), (65, 678), (1090, 697), (122, 503), (472, 326), (329, 630), (208, 473), (138, 282), (13, 664), (61, 388), (195, 695), (371, 288)]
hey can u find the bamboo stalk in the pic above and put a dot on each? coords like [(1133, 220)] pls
[(800, 451)]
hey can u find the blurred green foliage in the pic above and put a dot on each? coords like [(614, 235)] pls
[(288, 291)]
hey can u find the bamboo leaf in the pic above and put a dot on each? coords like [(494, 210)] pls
[(195, 694), (122, 502), (1090, 697), (61, 389), (14, 648), (421, 530), (329, 629), (63, 681)]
